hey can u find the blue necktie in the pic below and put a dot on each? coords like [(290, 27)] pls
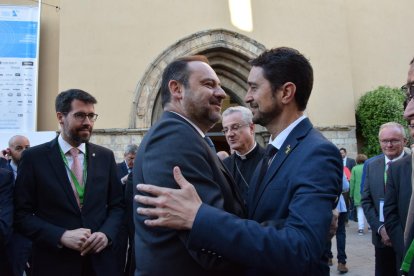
[(269, 153)]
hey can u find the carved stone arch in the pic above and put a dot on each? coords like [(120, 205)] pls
[(228, 52)]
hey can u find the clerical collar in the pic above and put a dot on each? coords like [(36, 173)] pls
[(191, 123), (245, 156), (65, 146)]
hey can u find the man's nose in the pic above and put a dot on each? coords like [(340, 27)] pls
[(219, 92), (248, 98)]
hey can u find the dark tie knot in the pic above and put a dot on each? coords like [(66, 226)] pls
[(270, 151)]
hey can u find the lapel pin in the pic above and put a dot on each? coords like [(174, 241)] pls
[(287, 149), (93, 154)]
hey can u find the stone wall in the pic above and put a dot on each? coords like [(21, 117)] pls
[(342, 137), (117, 139)]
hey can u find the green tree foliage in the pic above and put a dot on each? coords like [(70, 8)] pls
[(375, 108)]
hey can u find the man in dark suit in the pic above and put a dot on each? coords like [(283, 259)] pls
[(290, 206), (397, 200), (124, 243), (6, 218), (239, 129), (399, 219), (18, 247), (68, 197), (125, 167), (191, 98), (392, 140), (347, 162)]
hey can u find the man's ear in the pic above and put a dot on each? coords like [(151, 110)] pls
[(175, 89), (288, 92), (60, 116), (252, 128)]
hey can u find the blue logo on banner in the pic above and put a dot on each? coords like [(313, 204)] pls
[(19, 39)]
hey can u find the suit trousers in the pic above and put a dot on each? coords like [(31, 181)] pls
[(341, 237), (340, 240), (385, 262), (18, 250)]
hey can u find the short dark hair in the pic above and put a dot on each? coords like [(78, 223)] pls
[(344, 149), (177, 70), (284, 64), (64, 100)]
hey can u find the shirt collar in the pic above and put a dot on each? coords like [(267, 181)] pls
[(244, 156), (395, 159), (13, 165), (191, 123), (65, 146), (280, 139), (126, 164)]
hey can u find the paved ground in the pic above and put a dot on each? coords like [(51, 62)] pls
[(359, 250)]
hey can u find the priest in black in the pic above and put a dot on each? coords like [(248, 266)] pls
[(238, 128)]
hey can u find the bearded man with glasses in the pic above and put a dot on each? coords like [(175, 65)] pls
[(399, 202), (68, 197)]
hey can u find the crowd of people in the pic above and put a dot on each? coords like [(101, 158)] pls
[(67, 208)]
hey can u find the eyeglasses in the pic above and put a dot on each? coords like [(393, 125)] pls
[(411, 126), (81, 116), (233, 128), (408, 89), (392, 142)]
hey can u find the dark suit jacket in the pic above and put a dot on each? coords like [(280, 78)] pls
[(121, 169), (6, 205), (46, 207), (6, 217), (397, 200), (350, 163), (242, 169), (374, 191), (3, 163), (289, 214), (175, 142)]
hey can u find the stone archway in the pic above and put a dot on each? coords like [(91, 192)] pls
[(228, 52)]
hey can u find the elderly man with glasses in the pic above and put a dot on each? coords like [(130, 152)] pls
[(392, 140), (238, 128)]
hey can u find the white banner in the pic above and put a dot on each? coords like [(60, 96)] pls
[(19, 33)]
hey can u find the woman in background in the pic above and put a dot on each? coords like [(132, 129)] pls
[(355, 190)]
